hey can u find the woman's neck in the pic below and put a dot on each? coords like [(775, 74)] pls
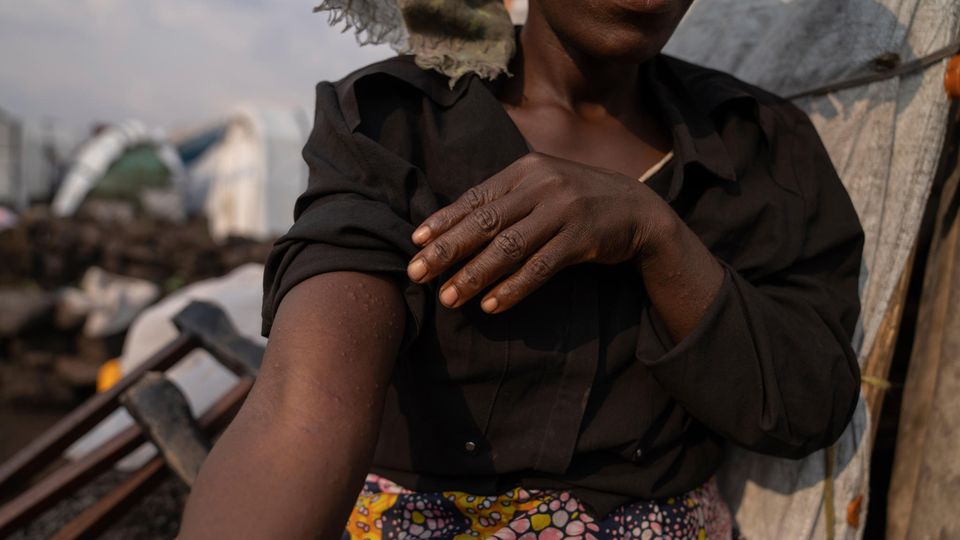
[(552, 73)]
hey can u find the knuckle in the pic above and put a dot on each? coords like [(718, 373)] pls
[(541, 267), (577, 232), (577, 204), (474, 197), (511, 243), (486, 219), (435, 223), (555, 182), (442, 251), (470, 276), (533, 158)]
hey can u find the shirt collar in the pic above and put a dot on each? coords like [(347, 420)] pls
[(402, 68), (688, 97)]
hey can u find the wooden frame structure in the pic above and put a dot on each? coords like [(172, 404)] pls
[(163, 417)]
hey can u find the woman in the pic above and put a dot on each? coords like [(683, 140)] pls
[(535, 307)]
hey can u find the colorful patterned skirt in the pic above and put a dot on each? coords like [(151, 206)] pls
[(386, 510)]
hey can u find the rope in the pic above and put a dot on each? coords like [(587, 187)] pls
[(884, 72), (876, 382), (829, 457), (829, 460)]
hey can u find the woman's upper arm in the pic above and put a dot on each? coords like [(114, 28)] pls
[(333, 332), (352, 312), (291, 463)]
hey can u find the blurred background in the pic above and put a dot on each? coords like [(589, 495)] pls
[(120, 120), (150, 154)]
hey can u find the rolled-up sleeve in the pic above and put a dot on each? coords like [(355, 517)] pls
[(353, 215), (770, 365)]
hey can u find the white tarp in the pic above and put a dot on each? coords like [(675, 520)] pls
[(885, 139), (255, 173), (107, 303), (201, 378)]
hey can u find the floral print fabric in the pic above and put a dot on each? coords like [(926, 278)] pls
[(385, 510)]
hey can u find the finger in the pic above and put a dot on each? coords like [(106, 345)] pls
[(469, 235), (507, 252), (537, 270), (486, 192)]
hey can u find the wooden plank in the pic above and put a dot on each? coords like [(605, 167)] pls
[(101, 515), (217, 335), (876, 367), (49, 446), (66, 480), (162, 411)]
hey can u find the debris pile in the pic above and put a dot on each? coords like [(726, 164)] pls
[(71, 286)]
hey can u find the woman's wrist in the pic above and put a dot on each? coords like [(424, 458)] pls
[(659, 233), (681, 276)]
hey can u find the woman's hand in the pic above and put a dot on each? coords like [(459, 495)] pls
[(531, 220)]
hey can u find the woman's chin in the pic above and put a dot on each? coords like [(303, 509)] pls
[(652, 7)]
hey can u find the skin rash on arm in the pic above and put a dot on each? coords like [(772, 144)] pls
[(291, 463)]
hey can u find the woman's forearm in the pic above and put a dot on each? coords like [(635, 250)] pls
[(680, 274), (292, 462)]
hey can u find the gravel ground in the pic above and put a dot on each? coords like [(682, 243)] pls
[(156, 517)]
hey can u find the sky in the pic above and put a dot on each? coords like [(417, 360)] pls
[(170, 63)]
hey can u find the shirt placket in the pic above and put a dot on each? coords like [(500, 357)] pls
[(579, 368)]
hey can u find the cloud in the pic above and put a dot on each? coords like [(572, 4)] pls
[(167, 62)]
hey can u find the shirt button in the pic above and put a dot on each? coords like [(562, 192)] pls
[(470, 446), (638, 454)]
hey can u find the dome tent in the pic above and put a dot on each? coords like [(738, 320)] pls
[(124, 160), (247, 181)]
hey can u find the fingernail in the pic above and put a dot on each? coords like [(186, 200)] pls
[(417, 269), (448, 296), (421, 235), (490, 304)]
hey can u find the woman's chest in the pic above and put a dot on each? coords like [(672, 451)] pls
[(603, 141)]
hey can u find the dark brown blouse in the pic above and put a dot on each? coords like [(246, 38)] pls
[(580, 386)]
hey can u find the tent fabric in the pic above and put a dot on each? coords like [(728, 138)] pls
[(253, 176), (136, 169), (31, 154), (926, 472), (96, 156), (196, 148), (10, 192), (885, 139)]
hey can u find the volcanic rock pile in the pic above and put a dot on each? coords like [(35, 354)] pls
[(70, 286)]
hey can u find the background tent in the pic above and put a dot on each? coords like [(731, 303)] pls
[(885, 138), (249, 178), (925, 478), (46, 148), (31, 158), (131, 158), (193, 145), (9, 160)]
